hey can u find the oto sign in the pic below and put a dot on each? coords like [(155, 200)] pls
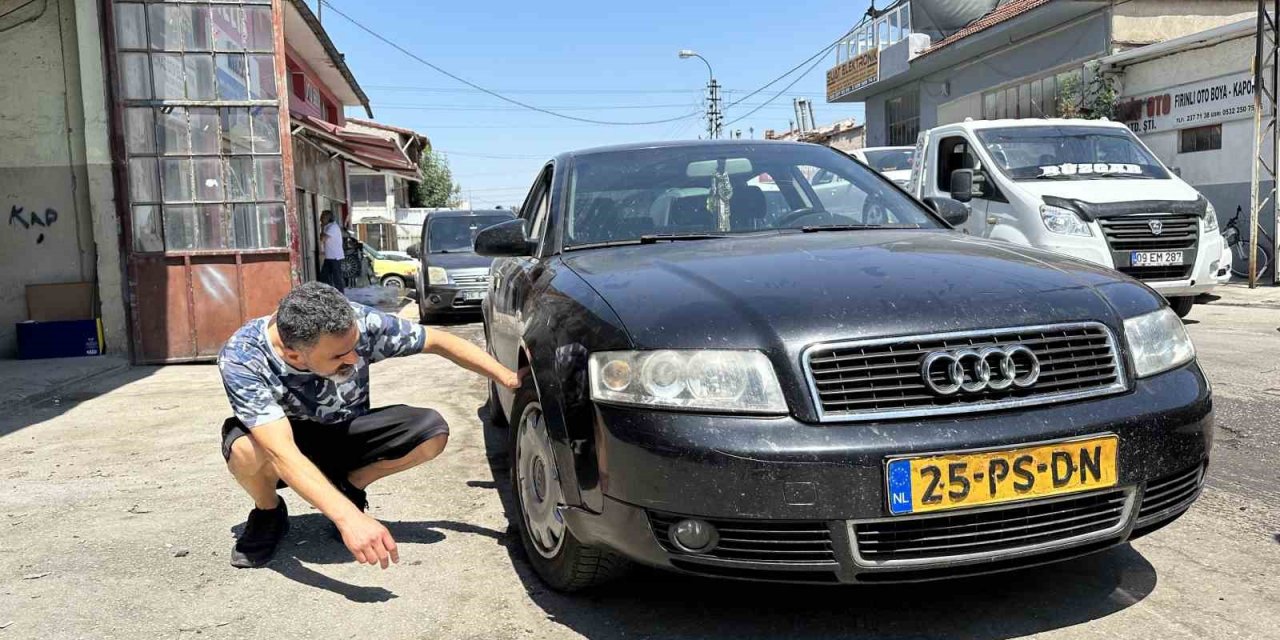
[(853, 74), (1190, 105)]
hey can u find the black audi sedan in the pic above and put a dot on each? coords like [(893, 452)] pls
[(734, 374)]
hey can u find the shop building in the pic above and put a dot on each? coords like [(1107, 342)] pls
[(922, 63)]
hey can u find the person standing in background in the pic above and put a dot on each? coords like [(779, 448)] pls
[(331, 245)]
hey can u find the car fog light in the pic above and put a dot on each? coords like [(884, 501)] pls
[(616, 375), (694, 536)]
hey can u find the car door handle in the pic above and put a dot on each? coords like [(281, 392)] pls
[(992, 220)]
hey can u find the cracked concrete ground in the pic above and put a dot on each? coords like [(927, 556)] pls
[(116, 516)]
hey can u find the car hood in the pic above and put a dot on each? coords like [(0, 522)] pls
[(787, 290), (1111, 190), (460, 260)]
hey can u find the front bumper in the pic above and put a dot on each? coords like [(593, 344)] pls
[(452, 299), (802, 500)]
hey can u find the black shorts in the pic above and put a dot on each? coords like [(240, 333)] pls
[(337, 449)]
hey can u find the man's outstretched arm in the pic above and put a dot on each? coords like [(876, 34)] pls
[(468, 356), (366, 538)]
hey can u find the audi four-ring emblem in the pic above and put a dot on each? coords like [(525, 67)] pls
[(983, 369)]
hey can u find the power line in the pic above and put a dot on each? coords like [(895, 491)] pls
[(442, 107), (778, 94), (495, 94), (492, 156), (825, 50), (419, 89)]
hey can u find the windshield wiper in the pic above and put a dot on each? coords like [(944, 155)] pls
[(856, 227), (675, 237)]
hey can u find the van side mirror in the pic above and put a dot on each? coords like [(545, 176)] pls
[(953, 212), (962, 185), (504, 240)]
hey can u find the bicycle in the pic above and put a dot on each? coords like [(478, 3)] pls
[(1240, 249)]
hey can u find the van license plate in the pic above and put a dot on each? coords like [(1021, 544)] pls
[(472, 295), (1154, 258), (958, 480)]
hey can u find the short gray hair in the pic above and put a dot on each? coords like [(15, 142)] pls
[(312, 310)]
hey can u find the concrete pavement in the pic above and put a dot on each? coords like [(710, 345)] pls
[(105, 491)]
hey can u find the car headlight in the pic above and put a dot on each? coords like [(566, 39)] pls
[(1210, 218), (1063, 221), (712, 380), (1158, 342), (437, 275)]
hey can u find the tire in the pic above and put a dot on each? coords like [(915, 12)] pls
[(394, 282), (1182, 305), (563, 562), (494, 407)]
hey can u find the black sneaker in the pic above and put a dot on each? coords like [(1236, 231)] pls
[(358, 497), (263, 532)]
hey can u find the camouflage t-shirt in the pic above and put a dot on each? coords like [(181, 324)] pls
[(262, 387)]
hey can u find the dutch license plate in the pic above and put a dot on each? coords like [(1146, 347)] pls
[(969, 479), (1154, 258)]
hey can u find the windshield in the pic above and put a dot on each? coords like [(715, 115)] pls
[(1069, 153), (457, 234), (721, 189), (890, 159)]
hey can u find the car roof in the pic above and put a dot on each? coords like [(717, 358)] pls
[(1038, 122), (902, 148), (466, 213), (679, 144)]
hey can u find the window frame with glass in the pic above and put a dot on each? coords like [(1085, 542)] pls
[(200, 104)]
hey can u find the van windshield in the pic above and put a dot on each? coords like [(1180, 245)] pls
[(457, 234), (1069, 153)]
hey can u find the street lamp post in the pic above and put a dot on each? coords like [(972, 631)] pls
[(714, 117)]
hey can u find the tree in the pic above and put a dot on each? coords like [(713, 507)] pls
[(436, 188)]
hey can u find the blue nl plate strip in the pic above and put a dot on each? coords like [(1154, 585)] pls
[(900, 487)]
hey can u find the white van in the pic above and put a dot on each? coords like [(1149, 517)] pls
[(1087, 188), (893, 162)]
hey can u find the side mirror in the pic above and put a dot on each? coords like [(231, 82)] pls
[(962, 185), (504, 240), (953, 212)]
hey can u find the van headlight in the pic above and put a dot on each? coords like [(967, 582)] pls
[(710, 380), (1063, 221), (1158, 342), (1210, 218), (437, 275)]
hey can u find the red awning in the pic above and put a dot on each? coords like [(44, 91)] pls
[(379, 154)]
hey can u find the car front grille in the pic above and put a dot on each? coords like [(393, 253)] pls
[(756, 541), (471, 280), (1170, 495), (990, 533), (881, 379), (1135, 233)]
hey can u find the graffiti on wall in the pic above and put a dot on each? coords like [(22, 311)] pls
[(33, 221)]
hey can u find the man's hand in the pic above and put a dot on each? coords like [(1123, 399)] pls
[(510, 379), (369, 541)]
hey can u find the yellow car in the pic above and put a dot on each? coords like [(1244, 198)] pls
[(392, 268)]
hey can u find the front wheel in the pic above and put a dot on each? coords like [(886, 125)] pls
[(563, 562), (1182, 305), (394, 282)]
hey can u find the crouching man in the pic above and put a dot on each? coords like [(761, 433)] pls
[(298, 382)]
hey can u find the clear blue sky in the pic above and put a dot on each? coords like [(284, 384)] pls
[(600, 60)]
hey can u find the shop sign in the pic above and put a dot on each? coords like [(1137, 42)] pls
[(1190, 105), (853, 74)]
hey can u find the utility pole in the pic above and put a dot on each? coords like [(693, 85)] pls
[(1265, 161), (715, 117)]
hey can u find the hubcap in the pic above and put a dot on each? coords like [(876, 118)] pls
[(539, 484)]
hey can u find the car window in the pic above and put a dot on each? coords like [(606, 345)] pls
[(458, 233), (538, 215), (1069, 153), (725, 188)]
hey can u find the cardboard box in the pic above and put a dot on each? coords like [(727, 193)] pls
[(57, 302), (60, 339)]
